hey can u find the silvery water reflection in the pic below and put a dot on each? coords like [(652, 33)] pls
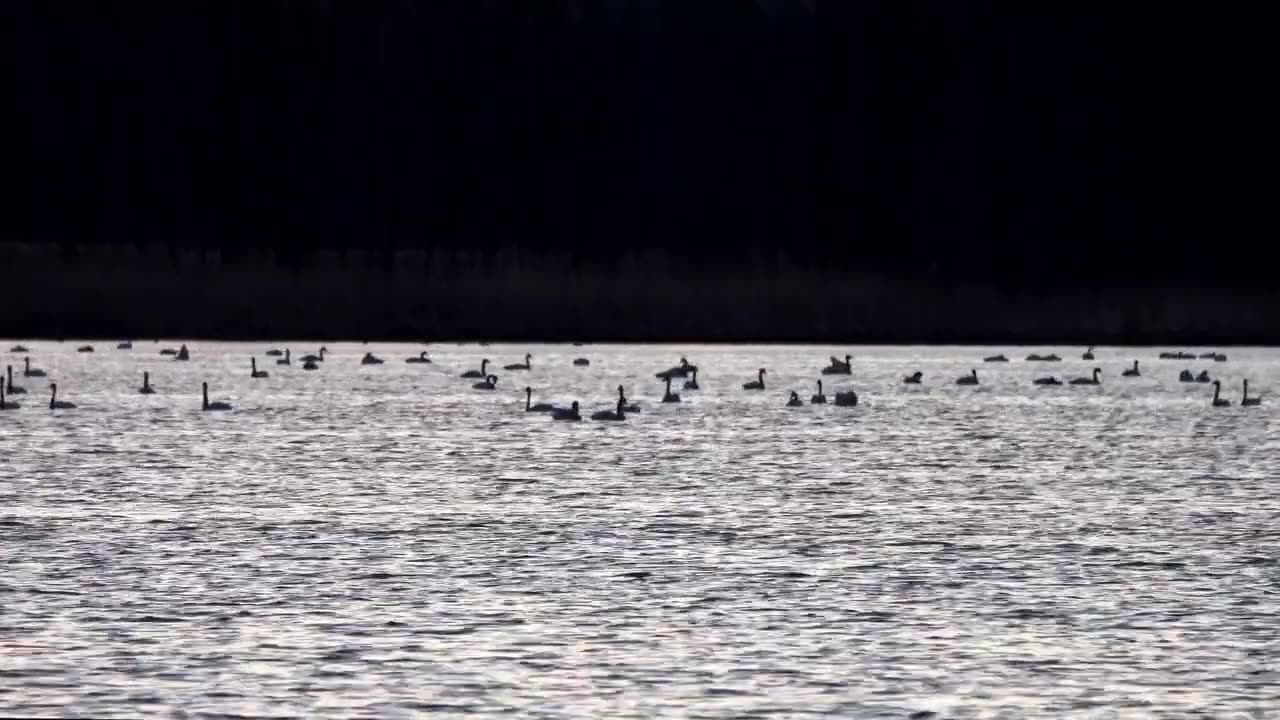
[(383, 541)]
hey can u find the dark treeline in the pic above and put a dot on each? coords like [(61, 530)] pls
[(1018, 146)]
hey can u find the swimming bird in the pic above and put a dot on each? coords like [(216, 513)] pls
[(254, 372), (847, 398), (183, 353), (1132, 372), (85, 348), (310, 365), (971, 379), (629, 407), (55, 403), (530, 407), (4, 405), (819, 398), (839, 368), (13, 389), (1203, 377), (757, 384), (1219, 357), (611, 415), (18, 349), (1033, 357), (995, 358), (1088, 380), (1051, 380), (488, 383), (913, 378), (370, 359), (168, 351), (1186, 376), (422, 358), (1246, 401), (286, 360), (581, 362), (1088, 354), (477, 373), (146, 388), (207, 406), (274, 352), (126, 345), (795, 400), (668, 396), (315, 358), (1218, 401), (569, 413), (29, 371), (519, 366), (692, 383)]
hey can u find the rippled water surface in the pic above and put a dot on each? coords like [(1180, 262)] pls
[(385, 541)]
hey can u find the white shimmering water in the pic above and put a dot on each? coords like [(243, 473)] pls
[(385, 541)]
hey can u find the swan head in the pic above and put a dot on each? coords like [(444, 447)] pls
[(528, 390), (527, 358), (762, 371)]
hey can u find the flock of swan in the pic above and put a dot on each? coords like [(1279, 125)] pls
[(684, 370)]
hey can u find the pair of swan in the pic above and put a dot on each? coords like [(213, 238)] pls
[(571, 413), (1186, 376), (54, 402), (847, 398), (1245, 400), (913, 379), (837, 367), (1092, 380), (1033, 357)]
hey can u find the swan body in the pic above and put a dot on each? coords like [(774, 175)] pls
[(85, 348), (1246, 401), (310, 365), (1132, 372), (1051, 380), (1219, 401), (971, 379), (838, 367), (530, 407), (422, 358), (489, 383), (520, 366), (1093, 380), (55, 403), (818, 399), (478, 373), (274, 352), (146, 388), (995, 358), (913, 378), (254, 372), (13, 389), (29, 371), (668, 396), (126, 345), (692, 383), (1088, 354), (286, 360), (207, 406), (370, 359), (847, 398), (4, 404), (611, 415), (18, 349), (795, 400), (581, 362), (569, 413), (758, 383), (168, 351)]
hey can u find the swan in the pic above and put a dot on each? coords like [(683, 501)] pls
[(274, 352), (18, 349), (1186, 376), (617, 414), (1217, 401), (629, 407), (971, 379), (757, 384), (795, 400), (477, 373), (569, 413), (183, 353), (1033, 357), (146, 388), (848, 398), (1088, 380), (1203, 377), (692, 383), (286, 360), (581, 362), (315, 358), (7, 405), (310, 365), (839, 368), (818, 399), (55, 403), (13, 389), (207, 406), (520, 366), (995, 358), (422, 358), (126, 345), (913, 378), (85, 348), (254, 372), (1246, 401), (1131, 372), (1051, 380), (488, 383), (1219, 357), (530, 407), (370, 359), (668, 396), (1088, 354), (28, 371)]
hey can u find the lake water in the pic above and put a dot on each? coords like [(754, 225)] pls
[(385, 541)]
